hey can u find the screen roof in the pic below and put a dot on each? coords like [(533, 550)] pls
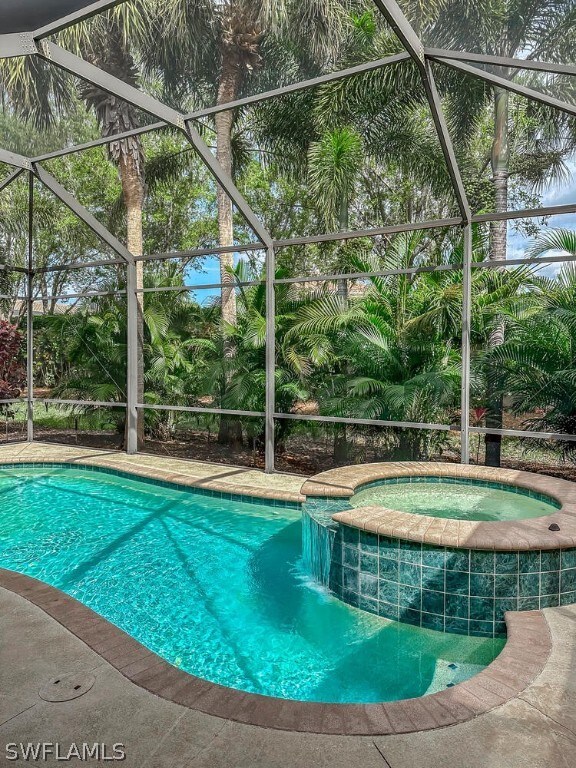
[(29, 15)]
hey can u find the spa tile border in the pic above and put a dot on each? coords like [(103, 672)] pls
[(520, 662), (172, 480), (514, 535)]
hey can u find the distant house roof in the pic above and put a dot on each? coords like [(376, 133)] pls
[(356, 289), (39, 310)]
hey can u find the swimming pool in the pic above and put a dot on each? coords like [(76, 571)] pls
[(463, 499), (216, 587)]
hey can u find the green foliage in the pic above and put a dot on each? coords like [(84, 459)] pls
[(351, 154), (334, 162)]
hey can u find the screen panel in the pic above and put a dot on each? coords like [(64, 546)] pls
[(307, 447), (540, 31), (13, 422), (29, 15), (82, 425), (222, 439)]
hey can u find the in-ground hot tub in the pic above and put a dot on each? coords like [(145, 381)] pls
[(444, 546), (455, 498)]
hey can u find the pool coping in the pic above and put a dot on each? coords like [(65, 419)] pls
[(522, 659), (106, 462), (503, 536)]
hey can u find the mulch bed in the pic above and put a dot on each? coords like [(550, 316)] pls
[(304, 456)]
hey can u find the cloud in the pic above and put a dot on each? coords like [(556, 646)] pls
[(563, 194)]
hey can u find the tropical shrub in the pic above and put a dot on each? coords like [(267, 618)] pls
[(12, 371)]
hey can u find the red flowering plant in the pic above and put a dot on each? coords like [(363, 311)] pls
[(477, 416), (12, 371)]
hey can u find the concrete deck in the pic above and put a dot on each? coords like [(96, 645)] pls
[(536, 728), (523, 658)]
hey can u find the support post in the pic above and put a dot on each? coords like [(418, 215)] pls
[(84, 215), (30, 314), (466, 320), (510, 85), (270, 358), (403, 29), (132, 360)]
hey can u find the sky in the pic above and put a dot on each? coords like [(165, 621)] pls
[(208, 273), (564, 194)]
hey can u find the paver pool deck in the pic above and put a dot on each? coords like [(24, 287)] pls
[(201, 474), (536, 727)]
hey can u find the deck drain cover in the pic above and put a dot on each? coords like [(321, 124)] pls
[(67, 687)]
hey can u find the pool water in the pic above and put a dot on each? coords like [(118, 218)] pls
[(216, 587), (464, 500)]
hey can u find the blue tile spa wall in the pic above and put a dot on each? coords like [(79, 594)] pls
[(448, 589)]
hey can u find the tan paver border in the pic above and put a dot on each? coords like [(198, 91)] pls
[(521, 661), (511, 535), (228, 479)]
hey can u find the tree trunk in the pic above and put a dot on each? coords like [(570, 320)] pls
[(110, 52), (230, 431), (341, 444), (224, 121), (500, 171), (343, 225), (133, 192), (405, 449), (498, 236)]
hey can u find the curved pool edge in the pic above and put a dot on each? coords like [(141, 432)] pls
[(500, 536), (159, 476), (520, 662)]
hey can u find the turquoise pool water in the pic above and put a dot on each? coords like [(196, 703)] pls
[(455, 499), (216, 587)]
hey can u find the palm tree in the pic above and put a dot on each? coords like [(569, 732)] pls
[(528, 140), (13, 248), (395, 369), (357, 136), (334, 163), (539, 357), (239, 382), (107, 46), (217, 50), (401, 339), (525, 29), (364, 136), (561, 240), (104, 41), (542, 30)]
